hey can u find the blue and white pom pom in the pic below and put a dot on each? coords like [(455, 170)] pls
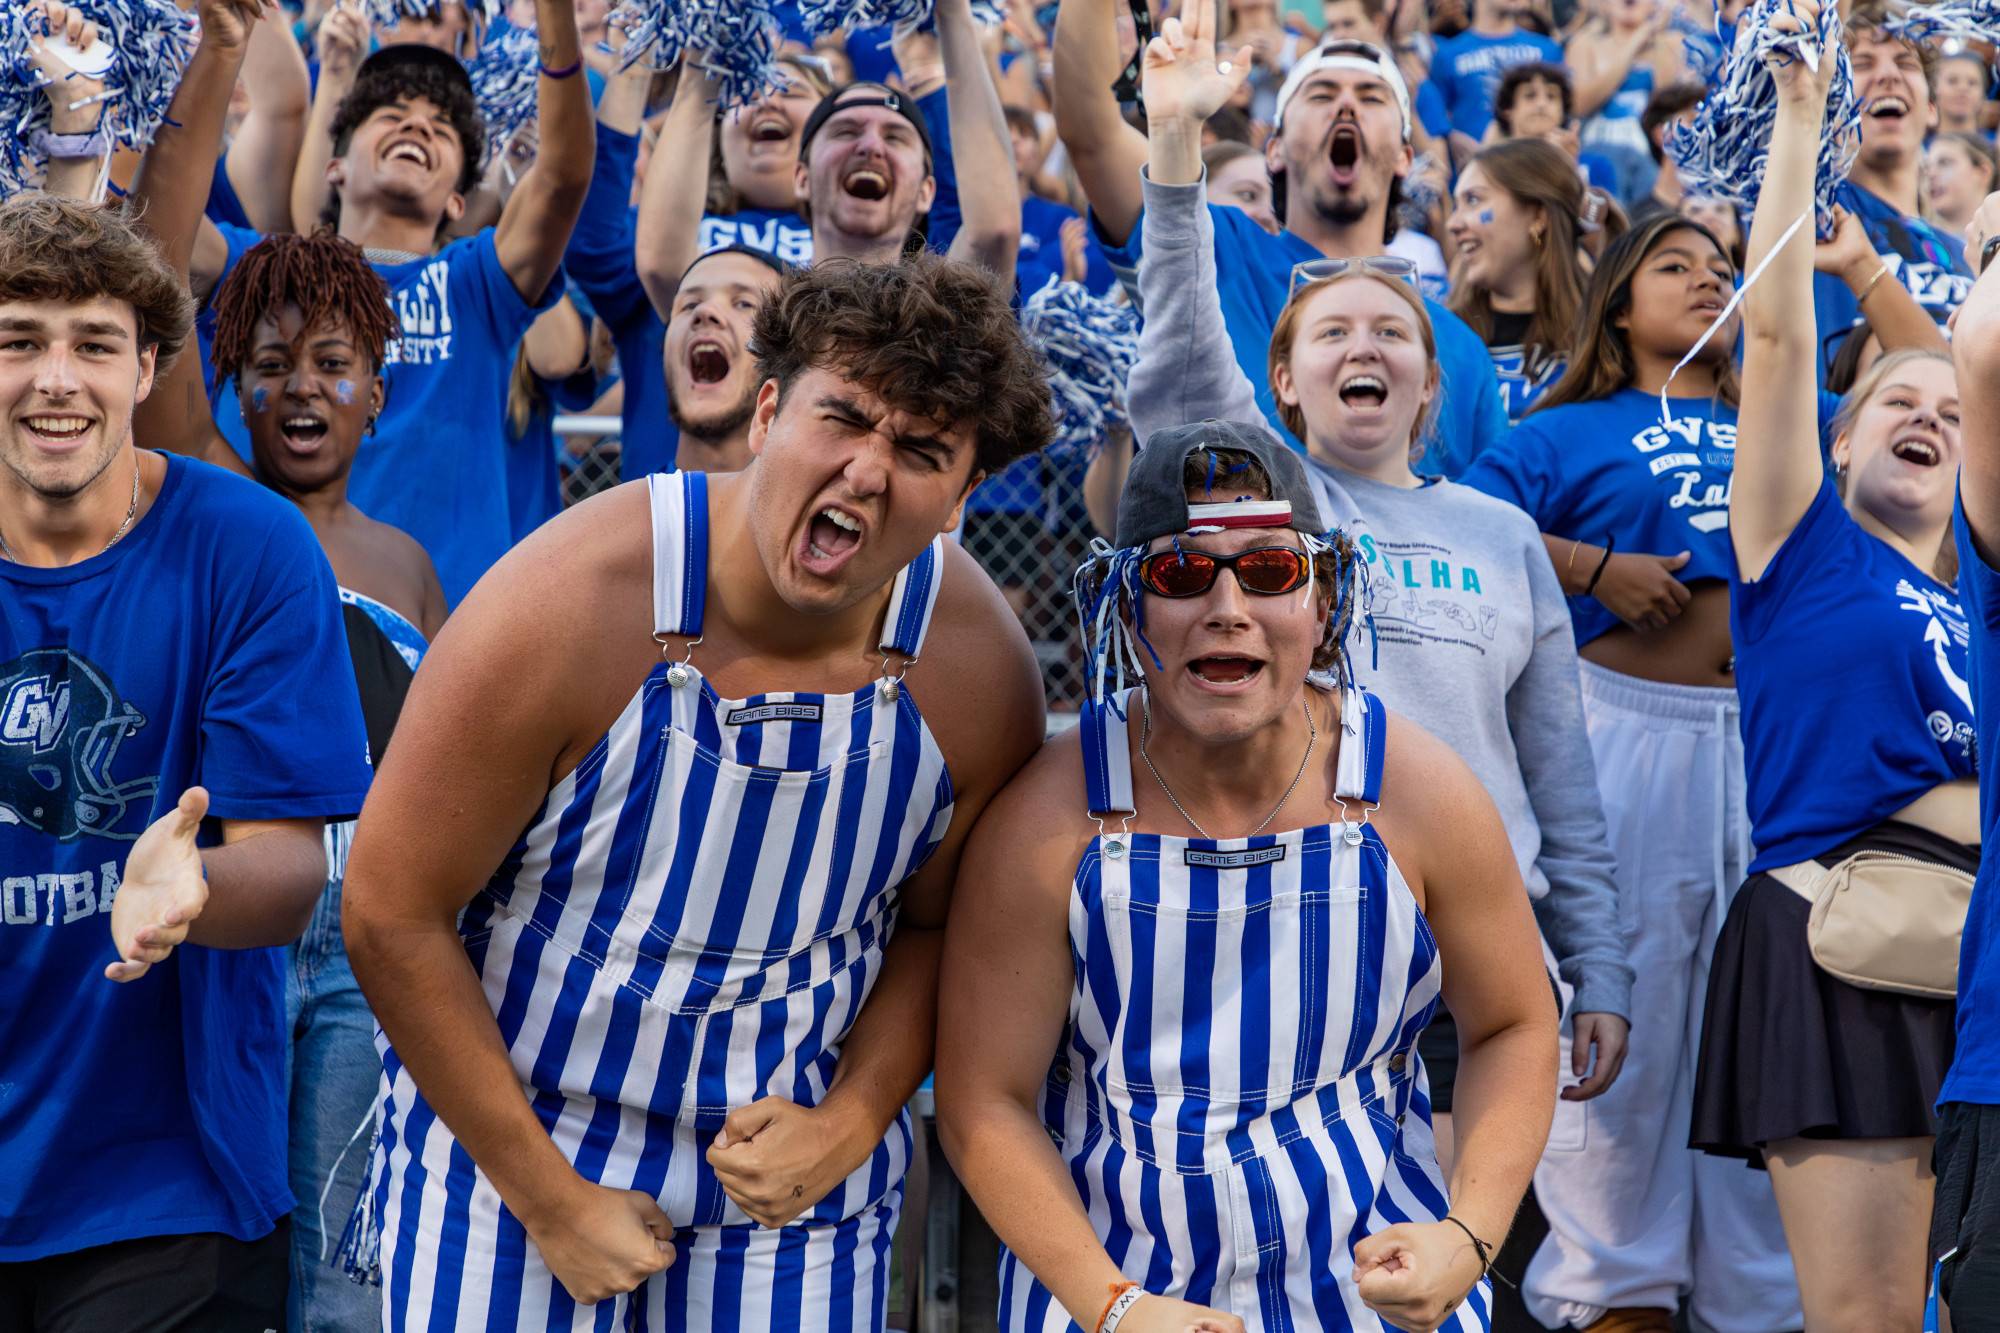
[(150, 42), (736, 41), (1723, 153), (381, 12), (504, 82), (1088, 347), (1973, 20)]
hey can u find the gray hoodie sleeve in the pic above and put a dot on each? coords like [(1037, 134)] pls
[(1187, 367), (1579, 913)]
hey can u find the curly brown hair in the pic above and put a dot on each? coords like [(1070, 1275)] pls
[(931, 337), (325, 277), (57, 249)]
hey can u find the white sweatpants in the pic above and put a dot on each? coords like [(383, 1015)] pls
[(1638, 1219)]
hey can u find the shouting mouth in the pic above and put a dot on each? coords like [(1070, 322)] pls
[(1890, 107), (1344, 153), (770, 129), (866, 183), (303, 432), (409, 150), (831, 539), (1916, 451), (1225, 671), (1365, 392), (708, 362)]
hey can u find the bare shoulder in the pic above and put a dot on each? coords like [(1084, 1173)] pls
[(977, 679), (1434, 812), (566, 600), (1039, 822)]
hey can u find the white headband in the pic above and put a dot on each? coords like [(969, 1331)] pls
[(1320, 60)]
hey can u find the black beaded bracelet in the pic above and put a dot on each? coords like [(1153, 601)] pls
[(567, 71), (1479, 1247), (1610, 545)]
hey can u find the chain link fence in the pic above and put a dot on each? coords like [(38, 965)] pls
[(1026, 527)]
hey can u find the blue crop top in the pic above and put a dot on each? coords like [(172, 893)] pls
[(1850, 665), (1612, 470)]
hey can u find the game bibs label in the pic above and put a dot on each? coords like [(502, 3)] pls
[(743, 717), (1256, 856)]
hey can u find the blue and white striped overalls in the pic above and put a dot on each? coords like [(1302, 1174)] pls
[(1238, 1096), (692, 922)]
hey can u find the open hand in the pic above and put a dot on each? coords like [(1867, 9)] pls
[(1414, 1274), (1183, 79), (776, 1159), (342, 41), (1850, 254), (605, 1242), (162, 891)]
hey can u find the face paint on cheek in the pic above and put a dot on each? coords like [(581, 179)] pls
[(260, 398), (344, 391), (1485, 218)]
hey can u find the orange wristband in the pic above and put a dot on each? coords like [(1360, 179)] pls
[(1117, 1289)]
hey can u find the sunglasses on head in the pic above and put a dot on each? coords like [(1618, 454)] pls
[(1315, 270), (1264, 570)]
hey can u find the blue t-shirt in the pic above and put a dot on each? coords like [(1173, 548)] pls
[(1629, 102), (1522, 380), (1041, 256), (1850, 664), (224, 208), (1467, 70), (1928, 261), (1253, 274), (786, 235), (436, 465), (1974, 1075), (1611, 468), (1598, 171), (178, 657)]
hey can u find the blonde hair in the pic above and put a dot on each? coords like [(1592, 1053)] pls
[(1286, 331), (1866, 386)]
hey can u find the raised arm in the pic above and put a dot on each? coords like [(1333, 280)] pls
[(1106, 152), (176, 415), (670, 202), (989, 189), (171, 188), (1975, 351), (265, 152), (343, 39), (76, 168), (1778, 467), (538, 219), (1186, 370)]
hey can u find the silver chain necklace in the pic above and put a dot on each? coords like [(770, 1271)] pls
[(130, 510), (1146, 734), (377, 254)]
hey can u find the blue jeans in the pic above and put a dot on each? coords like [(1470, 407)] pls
[(335, 1074)]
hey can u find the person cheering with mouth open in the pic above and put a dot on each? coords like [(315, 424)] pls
[(1337, 159), (656, 960), (1217, 914), (712, 378)]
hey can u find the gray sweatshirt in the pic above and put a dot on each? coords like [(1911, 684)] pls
[(1471, 636)]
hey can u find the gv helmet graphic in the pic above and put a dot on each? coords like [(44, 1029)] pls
[(61, 727)]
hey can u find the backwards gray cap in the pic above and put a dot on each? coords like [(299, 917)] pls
[(1155, 501)]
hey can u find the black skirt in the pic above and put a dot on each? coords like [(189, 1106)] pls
[(1789, 1051)]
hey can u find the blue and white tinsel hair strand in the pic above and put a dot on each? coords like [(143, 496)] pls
[(150, 41), (1088, 347)]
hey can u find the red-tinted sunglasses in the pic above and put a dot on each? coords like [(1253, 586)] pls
[(1264, 570)]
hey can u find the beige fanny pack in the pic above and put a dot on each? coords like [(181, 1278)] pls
[(1885, 921)]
